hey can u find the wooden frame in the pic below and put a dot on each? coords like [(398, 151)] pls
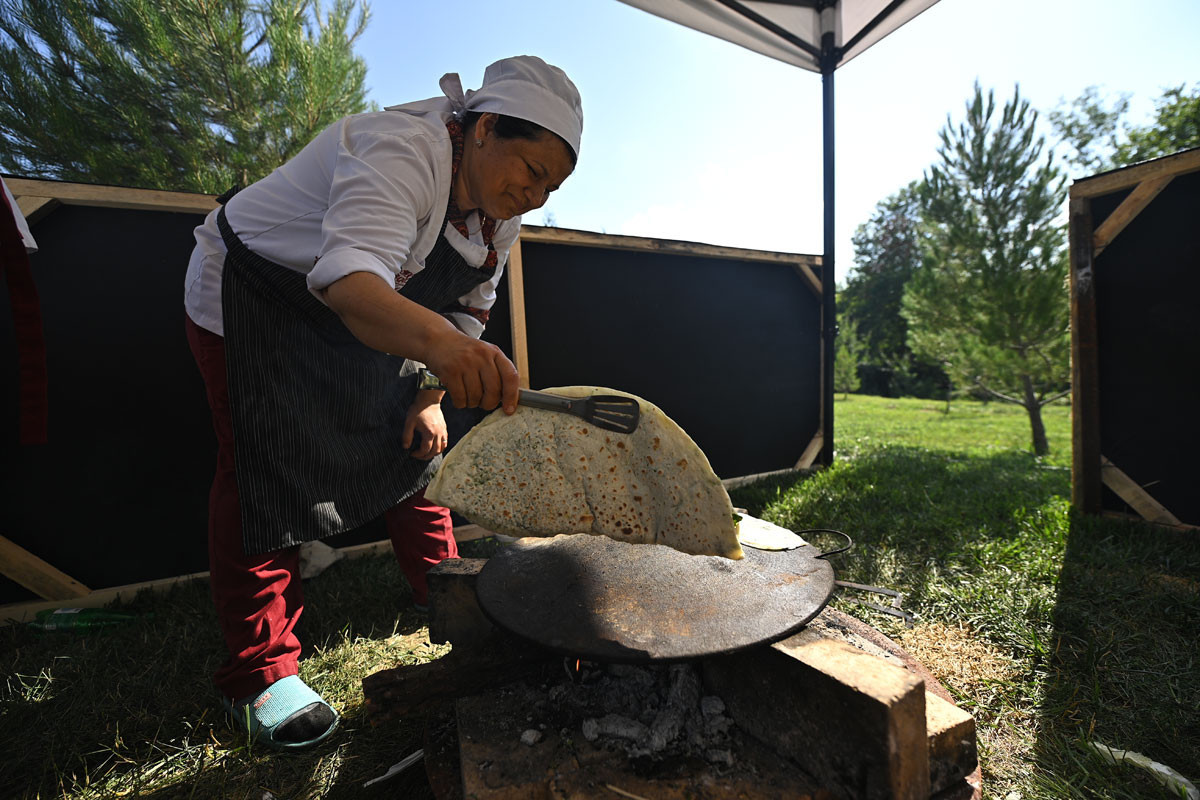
[(803, 264), (38, 198), (1091, 470)]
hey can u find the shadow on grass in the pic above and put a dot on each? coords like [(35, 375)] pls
[(1098, 616), (1124, 665), (122, 706), (919, 518)]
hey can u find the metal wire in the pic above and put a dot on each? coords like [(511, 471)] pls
[(849, 541)]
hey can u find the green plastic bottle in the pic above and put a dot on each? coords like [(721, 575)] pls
[(78, 619)]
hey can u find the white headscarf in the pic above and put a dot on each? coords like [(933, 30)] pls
[(525, 87)]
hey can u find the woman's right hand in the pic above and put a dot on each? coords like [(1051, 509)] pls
[(476, 374)]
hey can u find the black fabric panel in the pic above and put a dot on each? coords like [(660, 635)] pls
[(119, 494), (730, 350), (1148, 337)]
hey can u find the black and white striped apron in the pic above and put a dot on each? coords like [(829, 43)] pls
[(318, 417)]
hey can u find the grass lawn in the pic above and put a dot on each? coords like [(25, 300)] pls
[(1052, 629)]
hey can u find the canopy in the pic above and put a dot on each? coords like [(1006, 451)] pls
[(790, 30), (817, 35)]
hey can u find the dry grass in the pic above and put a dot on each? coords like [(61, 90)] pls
[(966, 664)]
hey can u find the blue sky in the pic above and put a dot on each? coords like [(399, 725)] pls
[(688, 137)]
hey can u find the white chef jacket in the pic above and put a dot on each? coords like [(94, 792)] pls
[(368, 194), (22, 225)]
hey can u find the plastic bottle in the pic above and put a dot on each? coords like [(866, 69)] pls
[(78, 619)]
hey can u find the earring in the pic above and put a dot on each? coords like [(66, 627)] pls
[(479, 142)]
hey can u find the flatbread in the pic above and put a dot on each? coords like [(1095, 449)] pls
[(763, 535), (544, 473)]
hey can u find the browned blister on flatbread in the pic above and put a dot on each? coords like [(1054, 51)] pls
[(543, 473)]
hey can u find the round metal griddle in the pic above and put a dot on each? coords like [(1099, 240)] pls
[(602, 600)]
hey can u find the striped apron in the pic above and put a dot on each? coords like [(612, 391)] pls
[(318, 417)]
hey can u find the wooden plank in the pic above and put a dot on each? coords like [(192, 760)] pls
[(1126, 517), (1178, 164), (540, 235), (34, 208), (84, 194), (879, 708), (810, 278), (1128, 490), (743, 480), (36, 575), (1085, 373), (1130, 207), (812, 451), (25, 611), (516, 302)]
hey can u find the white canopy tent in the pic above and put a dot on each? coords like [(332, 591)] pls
[(820, 36)]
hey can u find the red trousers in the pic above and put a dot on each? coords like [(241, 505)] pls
[(260, 598)]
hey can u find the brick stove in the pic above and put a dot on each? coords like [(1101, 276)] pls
[(834, 711)]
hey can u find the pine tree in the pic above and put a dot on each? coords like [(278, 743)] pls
[(990, 299), (189, 95), (846, 357)]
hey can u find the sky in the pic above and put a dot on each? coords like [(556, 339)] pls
[(690, 137)]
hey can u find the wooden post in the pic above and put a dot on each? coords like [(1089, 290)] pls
[(516, 300), (1085, 378), (36, 575)]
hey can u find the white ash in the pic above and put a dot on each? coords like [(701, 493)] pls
[(655, 712), (531, 737)]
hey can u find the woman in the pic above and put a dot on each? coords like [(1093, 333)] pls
[(312, 298)]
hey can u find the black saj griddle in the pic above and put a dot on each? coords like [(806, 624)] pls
[(602, 600)]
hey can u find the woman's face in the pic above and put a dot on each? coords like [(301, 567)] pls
[(508, 177)]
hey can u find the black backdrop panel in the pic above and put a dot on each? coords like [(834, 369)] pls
[(1148, 339), (119, 494), (729, 349)]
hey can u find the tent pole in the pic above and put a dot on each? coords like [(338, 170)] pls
[(829, 56)]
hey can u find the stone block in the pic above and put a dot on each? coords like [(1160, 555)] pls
[(952, 748), (454, 613)]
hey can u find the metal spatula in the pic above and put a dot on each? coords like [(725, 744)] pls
[(607, 411)]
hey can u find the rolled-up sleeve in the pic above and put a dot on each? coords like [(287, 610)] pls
[(383, 189)]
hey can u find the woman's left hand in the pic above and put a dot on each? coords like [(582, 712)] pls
[(425, 426)]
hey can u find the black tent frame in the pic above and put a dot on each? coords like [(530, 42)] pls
[(829, 57)]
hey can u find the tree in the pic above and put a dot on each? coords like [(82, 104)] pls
[(990, 299), (189, 95), (886, 254), (1176, 127), (845, 359), (1089, 127)]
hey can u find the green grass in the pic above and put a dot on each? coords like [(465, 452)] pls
[(1051, 629)]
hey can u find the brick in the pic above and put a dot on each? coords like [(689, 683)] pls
[(454, 613), (952, 748), (850, 719)]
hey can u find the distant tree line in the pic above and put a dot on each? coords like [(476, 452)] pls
[(959, 283)]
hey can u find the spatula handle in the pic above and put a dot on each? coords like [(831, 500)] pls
[(551, 402), (528, 397)]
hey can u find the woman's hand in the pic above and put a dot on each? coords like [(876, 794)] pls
[(476, 373), (425, 426)]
